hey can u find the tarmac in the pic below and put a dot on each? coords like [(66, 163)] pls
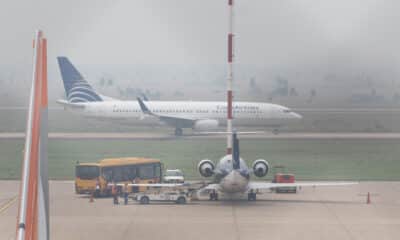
[(312, 213), (244, 135)]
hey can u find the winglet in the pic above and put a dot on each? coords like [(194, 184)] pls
[(143, 107), (145, 98)]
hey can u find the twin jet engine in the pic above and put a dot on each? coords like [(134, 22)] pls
[(260, 168), (206, 125), (206, 168)]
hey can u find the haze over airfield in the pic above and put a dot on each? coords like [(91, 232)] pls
[(189, 31), (301, 40)]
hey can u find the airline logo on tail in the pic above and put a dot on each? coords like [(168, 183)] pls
[(77, 89)]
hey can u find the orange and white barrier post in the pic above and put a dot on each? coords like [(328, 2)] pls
[(33, 210)]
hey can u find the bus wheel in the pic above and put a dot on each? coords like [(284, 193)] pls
[(181, 200), (144, 200)]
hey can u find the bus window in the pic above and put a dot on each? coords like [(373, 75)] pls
[(107, 174), (132, 173), (118, 174), (87, 172), (157, 170), (126, 172), (146, 171)]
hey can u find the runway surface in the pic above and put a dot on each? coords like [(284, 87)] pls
[(321, 213), (245, 135)]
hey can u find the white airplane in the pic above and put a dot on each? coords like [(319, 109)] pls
[(198, 115), (232, 176)]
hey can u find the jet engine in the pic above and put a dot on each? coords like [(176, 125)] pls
[(260, 167), (206, 125), (206, 168)]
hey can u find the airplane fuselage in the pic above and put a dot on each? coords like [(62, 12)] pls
[(232, 180), (245, 113)]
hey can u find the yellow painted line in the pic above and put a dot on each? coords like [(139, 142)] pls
[(8, 204)]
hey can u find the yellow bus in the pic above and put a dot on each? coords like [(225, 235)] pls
[(95, 177)]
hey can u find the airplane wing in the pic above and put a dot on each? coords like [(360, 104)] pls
[(213, 186), (193, 185), (170, 185), (173, 121), (266, 185)]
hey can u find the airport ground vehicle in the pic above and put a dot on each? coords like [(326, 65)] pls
[(95, 177), (178, 197), (174, 176), (284, 178)]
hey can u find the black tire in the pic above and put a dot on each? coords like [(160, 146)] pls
[(251, 197), (213, 196), (178, 131), (181, 200), (144, 200)]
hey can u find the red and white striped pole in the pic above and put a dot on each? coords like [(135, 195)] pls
[(230, 80)]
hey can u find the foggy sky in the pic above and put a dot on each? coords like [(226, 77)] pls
[(180, 45), (274, 33)]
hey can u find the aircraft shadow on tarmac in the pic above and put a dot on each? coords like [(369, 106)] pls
[(244, 203), (238, 202)]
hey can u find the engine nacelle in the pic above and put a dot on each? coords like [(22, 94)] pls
[(206, 168), (260, 167), (206, 125)]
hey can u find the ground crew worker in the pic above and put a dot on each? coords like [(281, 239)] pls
[(114, 193), (135, 189), (126, 193), (97, 191)]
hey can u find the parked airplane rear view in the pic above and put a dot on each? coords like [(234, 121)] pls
[(232, 176), (81, 98)]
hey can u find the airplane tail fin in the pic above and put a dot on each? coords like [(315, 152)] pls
[(77, 89), (236, 152)]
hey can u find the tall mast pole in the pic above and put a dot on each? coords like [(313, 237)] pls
[(230, 79)]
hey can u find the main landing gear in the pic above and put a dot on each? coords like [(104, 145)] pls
[(178, 131), (252, 196), (213, 196)]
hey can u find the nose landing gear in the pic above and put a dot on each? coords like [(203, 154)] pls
[(252, 196), (213, 196), (178, 131)]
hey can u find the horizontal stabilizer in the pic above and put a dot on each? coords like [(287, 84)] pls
[(223, 133), (71, 105), (268, 185)]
